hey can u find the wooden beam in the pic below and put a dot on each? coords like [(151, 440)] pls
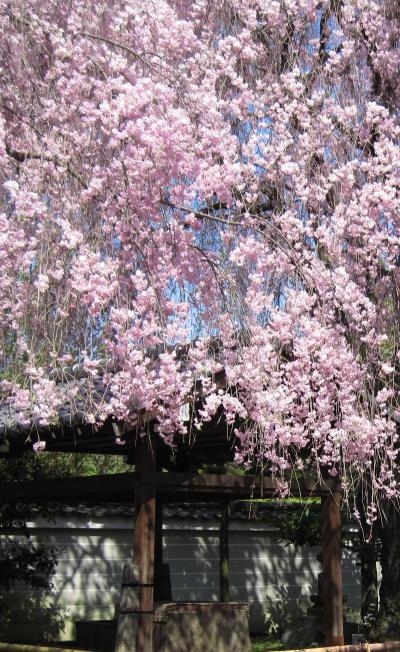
[(92, 488), (332, 570), (22, 647), (120, 487), (205, 484), (391, 646)]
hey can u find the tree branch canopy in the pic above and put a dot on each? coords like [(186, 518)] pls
[(271, 133)]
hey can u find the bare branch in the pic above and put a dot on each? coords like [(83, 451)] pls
[(26, 156)]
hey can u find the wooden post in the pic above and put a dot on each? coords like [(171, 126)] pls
[(158, 544), (332, 570), (224, 553), (144, 540), (162, 578)]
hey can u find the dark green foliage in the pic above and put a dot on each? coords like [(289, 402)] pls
[(297, 524), (25, 562), (33, 466)]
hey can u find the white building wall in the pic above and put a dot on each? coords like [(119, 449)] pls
[(272, 578)]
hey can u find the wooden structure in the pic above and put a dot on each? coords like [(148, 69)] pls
[(159, 478), (150, 488)]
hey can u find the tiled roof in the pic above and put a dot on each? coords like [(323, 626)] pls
[(240, 510), (90, 395)]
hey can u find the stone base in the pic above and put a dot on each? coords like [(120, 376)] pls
[(201, 627), (125, 640)]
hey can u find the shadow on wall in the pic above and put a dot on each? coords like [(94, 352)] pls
[(282, 611), (279, 582), (86, 586), (276, 581), (31, 616)]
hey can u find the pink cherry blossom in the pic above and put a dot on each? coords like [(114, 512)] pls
[(211, 194), (39, 446)]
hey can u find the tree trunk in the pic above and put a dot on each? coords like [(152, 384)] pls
[(369, 582), (367, 553), (389, 596)]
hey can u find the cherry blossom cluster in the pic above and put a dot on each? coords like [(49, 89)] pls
[(219, 176)]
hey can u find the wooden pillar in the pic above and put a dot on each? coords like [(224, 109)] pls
[(161, 578), (224, 553), (332, 570), (158, 543), (144, 540)]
